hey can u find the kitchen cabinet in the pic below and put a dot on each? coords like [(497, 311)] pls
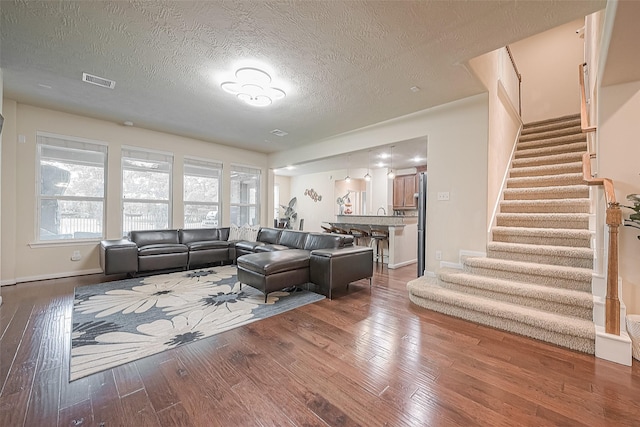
[(404, 189)]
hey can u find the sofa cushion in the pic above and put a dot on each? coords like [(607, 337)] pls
[(292, 239), (275, 262), (199, 235), (322, 241), (248, 246), (209, 244), (269, 235), (161, 249), (271, 248), (154, 237), (223, 233)]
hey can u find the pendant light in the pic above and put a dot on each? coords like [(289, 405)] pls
[(391, 175), (347, 178), (367, 177)]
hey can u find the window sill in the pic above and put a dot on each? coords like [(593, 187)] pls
[(57, 244)]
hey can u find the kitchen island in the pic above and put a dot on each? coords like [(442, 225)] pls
[(403, 235)]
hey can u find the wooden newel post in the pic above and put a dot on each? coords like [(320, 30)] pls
[(612, 306)]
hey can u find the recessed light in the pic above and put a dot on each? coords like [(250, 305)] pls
[(290, 168), (384, 155), (414, 89), (44, 86), (128, 123)]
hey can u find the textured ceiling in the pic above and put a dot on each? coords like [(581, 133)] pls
[(343, 64)]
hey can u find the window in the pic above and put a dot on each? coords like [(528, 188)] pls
[(202, 184), (276, 201), (146, 189), (71, 173), (245, 195)]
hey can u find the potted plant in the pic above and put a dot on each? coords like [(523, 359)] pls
[(634, 218), (290, 215)]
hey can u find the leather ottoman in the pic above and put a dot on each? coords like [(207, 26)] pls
[(272, 271)]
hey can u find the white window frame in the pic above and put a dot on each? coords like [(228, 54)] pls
[(146, 155), (70, 143), (204, 164), (247, 169)]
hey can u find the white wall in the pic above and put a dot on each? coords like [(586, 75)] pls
[(619, 159), (313, 212), (496, 73), (21, 260), (549, 64), (457, 163)]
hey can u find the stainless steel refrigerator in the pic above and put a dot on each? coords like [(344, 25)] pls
[(422, 221)]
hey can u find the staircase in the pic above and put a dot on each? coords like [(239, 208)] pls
[(536, 278)]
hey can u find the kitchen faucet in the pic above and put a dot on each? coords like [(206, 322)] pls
[(384, 211)]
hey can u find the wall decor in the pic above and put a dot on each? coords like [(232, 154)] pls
[(313, 194)]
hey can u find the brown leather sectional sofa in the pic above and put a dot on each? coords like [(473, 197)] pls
[(277, 259)]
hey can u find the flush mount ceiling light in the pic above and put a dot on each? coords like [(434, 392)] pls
[(253, 86)]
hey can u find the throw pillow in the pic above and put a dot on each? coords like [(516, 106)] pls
[(235, 233), (250, 232)]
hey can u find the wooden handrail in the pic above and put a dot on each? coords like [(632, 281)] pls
[(515, 68), (609, 193), (584, 115), (613, 220)]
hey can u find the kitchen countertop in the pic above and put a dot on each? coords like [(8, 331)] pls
[(388, 220)]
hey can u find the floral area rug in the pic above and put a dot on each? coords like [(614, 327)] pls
[(118, 322)]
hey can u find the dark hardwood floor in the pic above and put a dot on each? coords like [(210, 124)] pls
[(367, 358)]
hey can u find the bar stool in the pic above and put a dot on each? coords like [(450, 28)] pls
[(378, 237), (326, 229), (358, 234)]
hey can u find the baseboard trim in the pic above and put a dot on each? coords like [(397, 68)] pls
[(50, 276), (401, 264), (614, 348)]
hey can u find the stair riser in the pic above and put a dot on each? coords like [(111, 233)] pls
[(582, 224), (567, 193), (547, 241), (546, 170), (580, 147), (551, 306), (542, 258), (547, 160), (557, 282), (549, 181), (547, 208), (532, 136), (550, 142), (574, 343), (550, 125)]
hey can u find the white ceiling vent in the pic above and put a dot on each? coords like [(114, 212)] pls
[(278, 132), (98, 81)]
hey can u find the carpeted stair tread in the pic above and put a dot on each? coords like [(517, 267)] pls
[(554, 149), (557, 169), (549, 236), (549, 134), (543, 220), (552, 159), (549, 124), (555, 300), (551, 142), (570, 332), (542, 254), (562, 251), (545, 206), (552, 192), (542, 274), (546, 181)]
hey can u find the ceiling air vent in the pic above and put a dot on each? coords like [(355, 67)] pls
[(278, 132), (98, 81)]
